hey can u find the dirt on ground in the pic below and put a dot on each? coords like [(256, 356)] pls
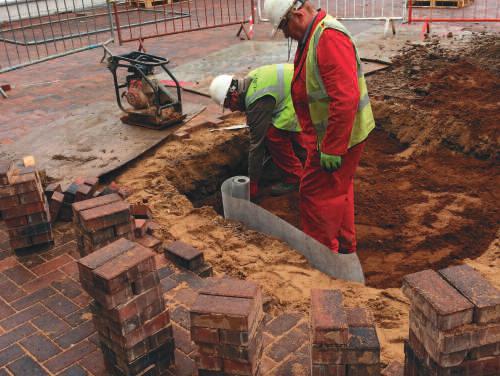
[(433, 96), (426, 191)]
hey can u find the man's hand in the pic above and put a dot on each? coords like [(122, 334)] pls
[(329, 162)]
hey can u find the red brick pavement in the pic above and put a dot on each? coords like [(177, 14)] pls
[(46, 326), (52, 90)]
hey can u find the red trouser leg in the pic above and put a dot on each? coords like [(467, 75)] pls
[(326, 201), (279, 144), (307, 140), (347, 232)]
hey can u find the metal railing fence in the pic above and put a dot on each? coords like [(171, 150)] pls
[(356, 9), (32, 31), (167, 18), (461, 11)]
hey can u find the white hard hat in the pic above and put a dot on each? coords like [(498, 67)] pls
[(275, 10), (219, 87)]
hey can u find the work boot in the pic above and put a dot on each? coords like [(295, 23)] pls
[(280, 189)]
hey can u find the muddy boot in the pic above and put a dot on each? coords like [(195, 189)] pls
[(280, 189)]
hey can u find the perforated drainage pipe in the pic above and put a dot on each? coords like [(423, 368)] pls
[(237, 206)]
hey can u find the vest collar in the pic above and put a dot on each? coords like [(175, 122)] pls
[(308, 30), (303, 45)]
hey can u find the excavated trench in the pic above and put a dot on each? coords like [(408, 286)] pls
[(206, 191), (410, 214), (426, 188), (221, 162), (418, 204)]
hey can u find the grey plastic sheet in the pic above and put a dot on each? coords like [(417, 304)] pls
[(238, 207)]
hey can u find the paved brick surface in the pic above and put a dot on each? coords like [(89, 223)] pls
[(40, 96), (46, 326)]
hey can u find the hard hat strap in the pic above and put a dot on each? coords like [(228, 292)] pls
[(296, 5)]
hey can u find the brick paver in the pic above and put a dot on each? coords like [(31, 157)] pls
[(26, 366), (40, 347), (51, 325), (75, 370), (19, 274), (10, 354)]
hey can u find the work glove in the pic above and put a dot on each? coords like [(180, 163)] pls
[(330, 162)]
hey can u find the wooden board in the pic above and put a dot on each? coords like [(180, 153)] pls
[(91, 141), (148, 3), (440, 3)]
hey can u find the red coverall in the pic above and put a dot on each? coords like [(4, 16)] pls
[(327, 199), (279, 144)]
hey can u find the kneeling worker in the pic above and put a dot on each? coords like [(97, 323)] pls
[(264, 95)]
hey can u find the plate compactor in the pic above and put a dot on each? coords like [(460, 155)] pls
[(151, 104)]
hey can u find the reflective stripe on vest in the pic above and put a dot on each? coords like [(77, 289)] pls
[(319, 100), (275, 80)]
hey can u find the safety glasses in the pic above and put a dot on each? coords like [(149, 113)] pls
[(284, 20)]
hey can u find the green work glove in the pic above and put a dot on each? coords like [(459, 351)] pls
[(330, 162)]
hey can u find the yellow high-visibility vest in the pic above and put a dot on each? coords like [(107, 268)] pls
[(275, 80), (318, 98)]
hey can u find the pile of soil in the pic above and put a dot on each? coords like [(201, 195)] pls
[(433, 96), (420, 203)]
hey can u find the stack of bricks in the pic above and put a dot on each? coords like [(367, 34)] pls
[(454, 323), (122, 191), (6, 172), (188, 257), (227, 325), (81, 189), (343, 340), (55, 198), (144, 227), (129, 311), (23, 206), (100, 221)]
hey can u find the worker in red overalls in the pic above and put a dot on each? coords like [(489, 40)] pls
[(331, 100)]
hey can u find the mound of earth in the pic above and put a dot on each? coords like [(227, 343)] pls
[(434, 96)]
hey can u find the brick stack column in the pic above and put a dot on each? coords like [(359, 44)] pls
[(24, 206), (6, 172), (129, 311), (100, 221), (226, 325), (454, 323), (343, 340)]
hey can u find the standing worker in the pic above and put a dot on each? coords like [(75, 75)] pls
[(264, 95), (331, 100)]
